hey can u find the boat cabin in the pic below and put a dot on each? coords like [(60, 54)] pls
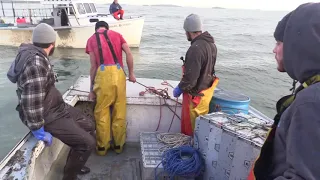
[(75, 13), (57, 13)]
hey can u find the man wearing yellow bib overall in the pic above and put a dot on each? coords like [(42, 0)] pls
[(108, 86), (199, 81)]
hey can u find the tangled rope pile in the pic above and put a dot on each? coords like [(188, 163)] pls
[(163, 94), (173, 140), (184, 161), (160, 92)]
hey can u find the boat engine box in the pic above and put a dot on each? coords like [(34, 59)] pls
[(229, 143)]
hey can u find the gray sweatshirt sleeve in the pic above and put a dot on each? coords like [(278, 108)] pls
[(303, 143)]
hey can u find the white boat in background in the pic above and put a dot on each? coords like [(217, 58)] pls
[(31, 160), (73, 21)]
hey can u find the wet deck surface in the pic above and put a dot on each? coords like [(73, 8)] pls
[(124, 166)]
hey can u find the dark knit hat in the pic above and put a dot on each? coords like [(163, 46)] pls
[(102, 24), (279, 32)]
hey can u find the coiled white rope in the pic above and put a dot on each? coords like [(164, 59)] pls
[(173, 140)]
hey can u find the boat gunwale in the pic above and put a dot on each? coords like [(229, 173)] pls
[(16, 28)]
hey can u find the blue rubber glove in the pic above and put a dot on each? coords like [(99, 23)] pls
[(177, 92), (40, 134)]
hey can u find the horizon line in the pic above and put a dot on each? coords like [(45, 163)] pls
[(213, 7)]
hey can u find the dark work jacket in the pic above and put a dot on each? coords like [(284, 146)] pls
[(199, 64)]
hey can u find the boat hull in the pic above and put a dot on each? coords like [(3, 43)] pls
[(77, 36)]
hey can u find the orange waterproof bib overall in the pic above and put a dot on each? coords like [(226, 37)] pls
[(193, 106)]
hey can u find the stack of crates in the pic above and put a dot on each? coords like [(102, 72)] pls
[(229, 144)]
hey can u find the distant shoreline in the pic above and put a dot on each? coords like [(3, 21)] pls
[(163, 5), (218, 8)]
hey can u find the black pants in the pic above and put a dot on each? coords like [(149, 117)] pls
[(74, 129)]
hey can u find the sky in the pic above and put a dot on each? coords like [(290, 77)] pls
[(285, 5)]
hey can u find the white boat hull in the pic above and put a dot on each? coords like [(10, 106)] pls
[(76, 36), (31, 160)]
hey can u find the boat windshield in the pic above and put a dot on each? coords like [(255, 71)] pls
[(80, 8), (93, 8), (87, 7)]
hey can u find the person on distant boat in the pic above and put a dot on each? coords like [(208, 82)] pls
[(21, 20), (41, 106), (1, 21), (291, 146), (199, 80), (108, 86), (116, 10)]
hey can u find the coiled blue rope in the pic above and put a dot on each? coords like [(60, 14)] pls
[(184, 161)]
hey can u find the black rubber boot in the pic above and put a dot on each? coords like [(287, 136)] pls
[(75, 164), (84, 170)]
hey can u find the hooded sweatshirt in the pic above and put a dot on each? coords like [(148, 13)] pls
[(199, 64), (296, 149), (32, 72)]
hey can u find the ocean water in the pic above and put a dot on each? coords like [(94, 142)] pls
[(245, 61)]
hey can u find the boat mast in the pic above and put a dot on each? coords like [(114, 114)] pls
[(2, 9), (13, 11), (30, 13)]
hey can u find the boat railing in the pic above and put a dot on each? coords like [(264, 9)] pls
[(30, 14)]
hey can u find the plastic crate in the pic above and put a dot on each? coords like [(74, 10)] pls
[(151, 157), (229, 144)]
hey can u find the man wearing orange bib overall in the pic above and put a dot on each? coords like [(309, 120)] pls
[(199, 81), (291, 150)]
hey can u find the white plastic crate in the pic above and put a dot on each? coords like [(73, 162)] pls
[(229, 144), (151, 157)]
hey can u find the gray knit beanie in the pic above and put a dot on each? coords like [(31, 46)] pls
[(43, 33), (192, 23)]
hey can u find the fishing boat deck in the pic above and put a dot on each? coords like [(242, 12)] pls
[(124, 166), (30, 159)]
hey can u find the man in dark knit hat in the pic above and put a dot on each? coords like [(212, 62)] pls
[(41, 106), (278, 35), (264, 161), (291, 149)]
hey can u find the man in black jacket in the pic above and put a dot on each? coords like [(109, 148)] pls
[(198, 81)]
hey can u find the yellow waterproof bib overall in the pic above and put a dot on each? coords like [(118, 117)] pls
[(110, 109)]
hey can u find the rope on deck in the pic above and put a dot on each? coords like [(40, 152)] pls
[(173, 140), (183, 161), (163, 94)]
